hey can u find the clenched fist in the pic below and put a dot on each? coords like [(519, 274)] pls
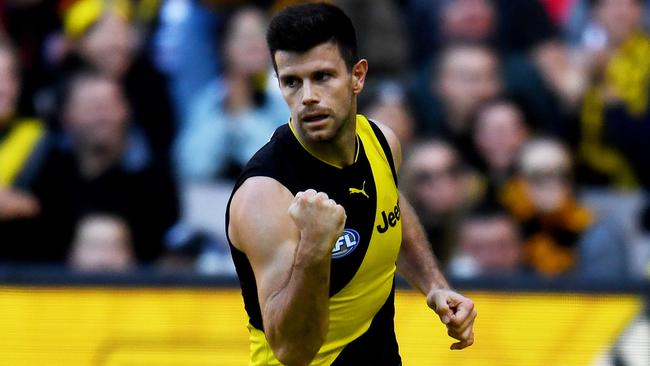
[(457, 312), (319, 219)]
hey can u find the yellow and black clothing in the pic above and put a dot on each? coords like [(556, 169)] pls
[(25, 154), (551, 239), (361, 309), (20, 145), (613, 138)]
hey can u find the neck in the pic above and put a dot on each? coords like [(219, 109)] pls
[(341, 150), (240, 93)]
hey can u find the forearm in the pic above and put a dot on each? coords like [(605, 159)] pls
[(296, 317), (416, 262)]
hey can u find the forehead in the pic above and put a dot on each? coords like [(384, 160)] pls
[(468, 57), (323, 56), (433, 155), (544, 156)]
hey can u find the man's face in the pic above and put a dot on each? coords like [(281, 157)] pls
[(319, 90), (469, 76), (493, 243), (246, 50), (619, 17), (96, 113), (499, 134), (546, 169), (102, 244), (470, 20), (436, 180), (8, 86)]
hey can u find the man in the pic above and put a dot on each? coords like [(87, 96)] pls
[(315, 221), (106, 167), (489, 245), (435, 179)]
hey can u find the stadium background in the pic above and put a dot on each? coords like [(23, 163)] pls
[(128, 265)]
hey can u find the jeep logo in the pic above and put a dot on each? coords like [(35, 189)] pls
[(390, 219)]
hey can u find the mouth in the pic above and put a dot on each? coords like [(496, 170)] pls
[(314, 117)]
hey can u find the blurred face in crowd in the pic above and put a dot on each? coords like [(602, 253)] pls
[(499, 134), (493, 243), (394, 114), (545, 166), (468, 76), (9, 84), (109, 45), (96, 113), (620, 18), (102, 244), (468, 20), (435, 179), (245, 46)]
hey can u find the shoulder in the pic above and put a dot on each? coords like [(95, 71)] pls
[(259, 213), (393, 142)]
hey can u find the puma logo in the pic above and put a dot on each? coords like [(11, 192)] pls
[(360, 191)]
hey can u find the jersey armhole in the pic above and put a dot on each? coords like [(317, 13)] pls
[(386, 147)]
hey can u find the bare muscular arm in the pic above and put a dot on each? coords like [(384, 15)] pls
[(418, 265), (288, 241)]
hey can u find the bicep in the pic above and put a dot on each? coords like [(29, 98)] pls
[(260, 226)]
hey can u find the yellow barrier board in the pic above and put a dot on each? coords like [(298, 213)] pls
[(180, 327)]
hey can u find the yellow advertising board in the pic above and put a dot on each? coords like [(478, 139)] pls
[(180, 327)]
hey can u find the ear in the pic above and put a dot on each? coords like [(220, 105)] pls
[(359, 72)]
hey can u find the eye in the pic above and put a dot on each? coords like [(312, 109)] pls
[(322, 76), (290, 82)]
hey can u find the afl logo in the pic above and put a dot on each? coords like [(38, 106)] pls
[(346, 243)]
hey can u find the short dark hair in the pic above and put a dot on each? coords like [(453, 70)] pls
[(302, 27)]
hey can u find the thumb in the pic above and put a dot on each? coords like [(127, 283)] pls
[(442, 308)]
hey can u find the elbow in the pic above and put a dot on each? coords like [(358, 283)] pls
[(299, 351), (296, 356)]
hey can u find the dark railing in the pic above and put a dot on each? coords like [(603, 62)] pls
[(56, 276)]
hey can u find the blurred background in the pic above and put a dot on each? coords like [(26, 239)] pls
[(525, 126)]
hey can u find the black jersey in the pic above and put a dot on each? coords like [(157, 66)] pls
[(361, 310)]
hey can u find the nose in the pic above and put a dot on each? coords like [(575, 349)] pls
[(309, 95)]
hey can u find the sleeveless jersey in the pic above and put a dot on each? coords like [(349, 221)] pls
[(361, 310)]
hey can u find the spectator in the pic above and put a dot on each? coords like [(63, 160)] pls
[(381, 36), (440, 191), (28, 226), (106, 171), (582, 30), (103, 37), (615, 116), (465, 77), (561, 236), (236, 114), (500, 130), (517, 29), (489, 244), (388, 106), (183, 49), (102, 244)]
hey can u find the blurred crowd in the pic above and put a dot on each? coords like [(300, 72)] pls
[(525, 127)]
